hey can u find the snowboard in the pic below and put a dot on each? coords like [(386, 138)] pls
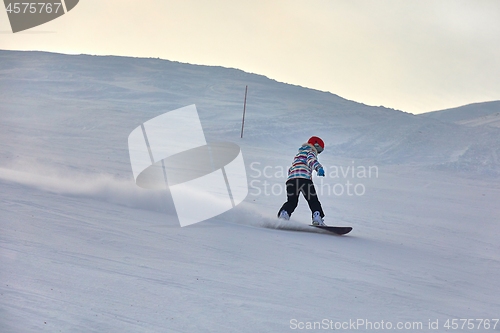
[(335, 230)]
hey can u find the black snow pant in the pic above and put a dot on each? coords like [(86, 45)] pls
[(293, 189)]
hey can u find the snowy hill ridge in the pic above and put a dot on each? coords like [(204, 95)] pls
[(466, 113), (147, 87)]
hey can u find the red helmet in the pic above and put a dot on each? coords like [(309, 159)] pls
[(317, 143)]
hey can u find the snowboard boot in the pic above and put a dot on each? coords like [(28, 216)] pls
[(284, 215), (316, 219)]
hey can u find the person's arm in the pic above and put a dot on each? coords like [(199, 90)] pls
[(313, 162)]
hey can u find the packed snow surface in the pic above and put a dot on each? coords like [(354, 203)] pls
[(83, 249)]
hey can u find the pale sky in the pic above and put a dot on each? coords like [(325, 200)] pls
[(412, 55)]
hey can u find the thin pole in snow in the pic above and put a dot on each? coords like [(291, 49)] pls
[(244, 110)]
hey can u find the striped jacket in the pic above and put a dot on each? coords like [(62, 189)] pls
[(304, 163)]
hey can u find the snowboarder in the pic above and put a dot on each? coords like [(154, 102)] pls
[(300, 181)]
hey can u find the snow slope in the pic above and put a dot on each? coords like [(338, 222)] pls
[(481, 121), (467, 114), (82, 249)]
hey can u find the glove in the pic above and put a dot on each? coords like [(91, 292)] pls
[(321, 172)]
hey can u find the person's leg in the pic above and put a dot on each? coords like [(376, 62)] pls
[(292, 195), (307, 188)]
